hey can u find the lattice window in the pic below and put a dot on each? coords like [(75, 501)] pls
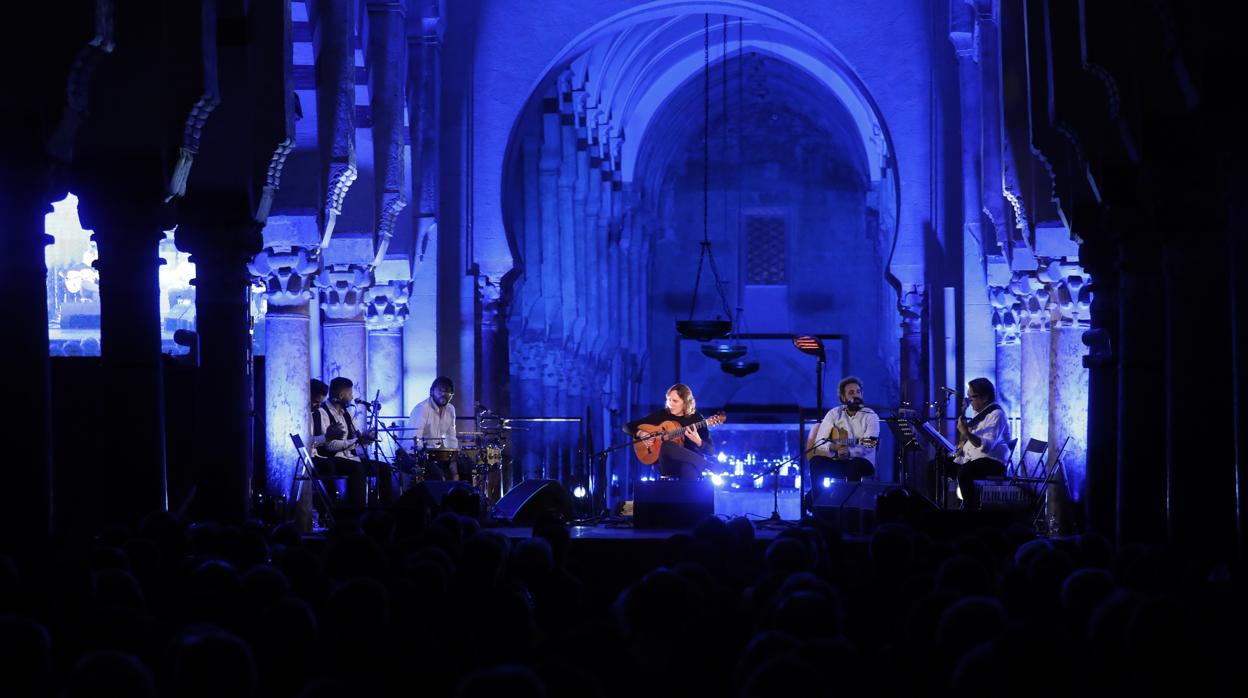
[(766, 251)]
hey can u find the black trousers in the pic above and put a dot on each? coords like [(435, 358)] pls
[(679, 462), (967, 473), (356, 473)]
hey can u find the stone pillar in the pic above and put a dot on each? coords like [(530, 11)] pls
[(27, 519), (287, 273), (385, 315), (424, 70), (1143, 507), (223, 384), (913, 384), (1034, 370), (344, 345), (1068, 396), (977, 332), (128, 237), (492, 390)]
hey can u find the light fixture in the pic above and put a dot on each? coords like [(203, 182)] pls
[(724, 351), (739, 368)]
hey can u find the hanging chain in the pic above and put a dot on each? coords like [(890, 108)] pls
[(706, 253)]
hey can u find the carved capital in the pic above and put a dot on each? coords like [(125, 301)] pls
[(1035, 301), (386, 306), (1006, 312), (287, 274), (1072, 297), (342, 291)]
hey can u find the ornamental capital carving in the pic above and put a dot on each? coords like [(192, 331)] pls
[(386, 306), (288, 274), (342, 291)]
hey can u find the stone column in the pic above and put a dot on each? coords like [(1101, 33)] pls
[(1143, 507), (287, 273), (344, 345), (24, 353), (223, 385), (977, 333), (913, 384), (493, 390), (1034, 370), (128, 237), (385, 315), (1068, 396)]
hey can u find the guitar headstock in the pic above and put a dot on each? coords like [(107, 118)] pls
[(716, 419)]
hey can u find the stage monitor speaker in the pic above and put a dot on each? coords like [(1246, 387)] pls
[(857, 507), (532, 499), (672, 503)]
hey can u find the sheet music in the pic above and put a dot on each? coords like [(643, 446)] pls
[(937, 438)]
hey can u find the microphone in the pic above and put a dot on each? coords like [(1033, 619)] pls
[(948, 391), (366, 404)]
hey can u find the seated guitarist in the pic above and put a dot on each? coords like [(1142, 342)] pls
[(852, 431), (687, 461), (983, 441)]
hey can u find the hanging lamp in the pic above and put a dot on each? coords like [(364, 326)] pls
[(706, 330)]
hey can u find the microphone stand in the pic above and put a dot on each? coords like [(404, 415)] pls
[(774, 519)]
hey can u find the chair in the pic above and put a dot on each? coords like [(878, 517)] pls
[(305, 471), (1035, 477), (1037, 468)]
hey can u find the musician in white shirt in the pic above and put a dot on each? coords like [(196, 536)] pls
[(849, 453), (432, 423), (983, 441)]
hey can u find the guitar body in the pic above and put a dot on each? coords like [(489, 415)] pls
[(647, 448), (841, 437)]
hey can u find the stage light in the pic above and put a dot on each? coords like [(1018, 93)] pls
[(579, 492), (722, 457), (717, 480), (827, 482)]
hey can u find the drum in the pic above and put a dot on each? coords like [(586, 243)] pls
[(492, 455), (442, 455)]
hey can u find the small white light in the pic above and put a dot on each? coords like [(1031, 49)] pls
[(722, 457), (827, 482), (717, 480), (579, 492), (797, 482)]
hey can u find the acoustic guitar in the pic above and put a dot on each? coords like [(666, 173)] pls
[(841, 437), (647, 448)]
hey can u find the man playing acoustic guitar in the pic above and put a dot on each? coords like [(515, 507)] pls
[(847, 438), (681, 457)]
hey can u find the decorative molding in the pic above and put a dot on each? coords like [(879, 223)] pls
[(342, 174), (77, 88), (273, 178)]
